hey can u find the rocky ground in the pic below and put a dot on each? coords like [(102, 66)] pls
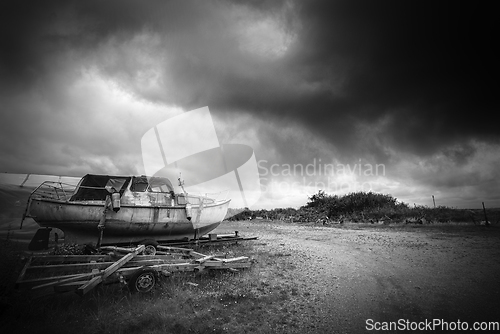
[(358, 277)]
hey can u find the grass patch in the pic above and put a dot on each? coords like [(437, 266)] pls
[(213, 301)]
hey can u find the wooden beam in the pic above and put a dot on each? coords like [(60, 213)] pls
[(220, 265), (118, 264), (32, 282), (164, 257), (234, 259), (70, 258), (69, 286), (89, 285), (196, 254), (117, 249), (183, 250), (63, 281), (68, 267), (23, 272), (205, 258)]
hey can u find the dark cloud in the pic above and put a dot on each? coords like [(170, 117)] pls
[(427, 65)]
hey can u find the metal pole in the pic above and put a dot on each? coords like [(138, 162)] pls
[(100, 226), (485, 218)]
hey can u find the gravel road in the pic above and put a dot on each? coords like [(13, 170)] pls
[(342, 277)]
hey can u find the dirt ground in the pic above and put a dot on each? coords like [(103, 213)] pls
[(355, 278)]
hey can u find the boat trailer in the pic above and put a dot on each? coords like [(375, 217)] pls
[(211, 239), (40, 241), (81, 273)]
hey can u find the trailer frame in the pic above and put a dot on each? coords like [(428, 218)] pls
[(82, 273)]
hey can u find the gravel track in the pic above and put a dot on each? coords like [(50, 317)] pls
[(339, 278)]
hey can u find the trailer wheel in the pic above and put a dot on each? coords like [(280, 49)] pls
[(149, 247), (142, 281)]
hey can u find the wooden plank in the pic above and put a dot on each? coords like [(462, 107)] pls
[(89, 285), (213, 264), (69, 267), (88, 258), (69, 286), (234, 259), (227, 235), (205, 258), (101, 265), (160, 267), (196, 254), (69, 258), (63, 281), (31, 282), (153, 261), (117, 249), (183, 250), (220, 238), (23, 272), (158, 256), (141, 260), (221, 265), (118, 264)]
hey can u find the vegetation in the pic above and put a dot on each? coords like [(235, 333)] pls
[(366, 207), (249, 300)]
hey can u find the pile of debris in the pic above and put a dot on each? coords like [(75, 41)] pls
[(82, 273)]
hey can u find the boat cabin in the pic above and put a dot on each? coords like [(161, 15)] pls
[(133, 190)]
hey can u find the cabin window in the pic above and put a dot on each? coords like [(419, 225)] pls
[(181, 200), (95, 187), (160, 185), (154, 184), (159, 189), (139, 183)]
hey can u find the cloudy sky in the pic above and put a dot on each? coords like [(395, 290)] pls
[(395, 97)]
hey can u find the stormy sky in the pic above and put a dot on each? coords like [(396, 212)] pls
[(396, 97)]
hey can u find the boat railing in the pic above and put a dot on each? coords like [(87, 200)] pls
[(219, 196), (54, 190), (208, 198), (49, 190), (195, 200)]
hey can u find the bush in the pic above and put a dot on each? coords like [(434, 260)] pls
[(366, 207), (354, 203)]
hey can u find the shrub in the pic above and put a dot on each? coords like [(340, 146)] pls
[(366, 207)]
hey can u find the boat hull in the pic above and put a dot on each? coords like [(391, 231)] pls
[(79, 221)]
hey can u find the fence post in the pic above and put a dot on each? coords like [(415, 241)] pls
[(486, 222)]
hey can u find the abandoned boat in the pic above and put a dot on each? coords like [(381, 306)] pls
[(123, 209)]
